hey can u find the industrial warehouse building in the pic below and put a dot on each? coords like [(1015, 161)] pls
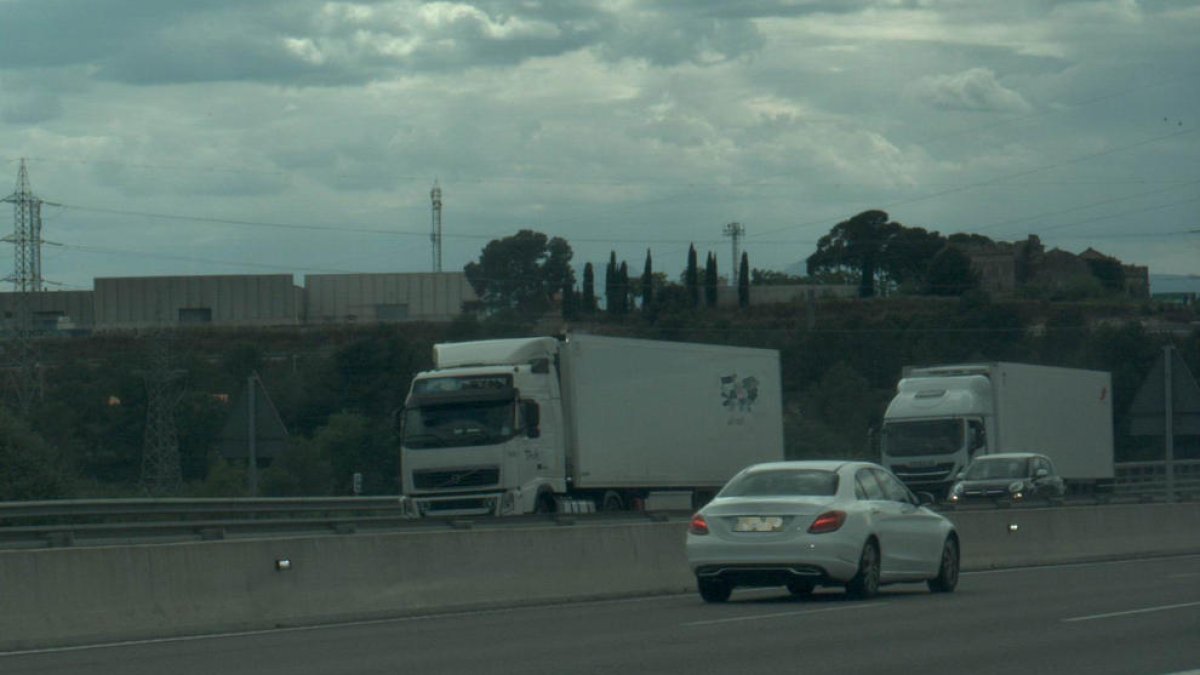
[(130, 303)]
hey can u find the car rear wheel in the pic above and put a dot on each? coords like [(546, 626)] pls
[(865, 584), (714, 590), (947, 577), (800, 589)]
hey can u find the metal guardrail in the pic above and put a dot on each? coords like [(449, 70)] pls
[(97, 522), (1150, 478)]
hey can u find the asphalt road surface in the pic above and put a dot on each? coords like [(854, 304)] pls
[(1125, 617)]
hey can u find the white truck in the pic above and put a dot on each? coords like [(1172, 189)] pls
[(943, 416), (583, 423)]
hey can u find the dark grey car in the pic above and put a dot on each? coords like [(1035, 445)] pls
[(1011, 476)]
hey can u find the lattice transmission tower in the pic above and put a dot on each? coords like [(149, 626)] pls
[(23, 369), (435, 235), (735, 231)]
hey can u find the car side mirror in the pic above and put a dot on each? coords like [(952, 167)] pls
[(925, 498)]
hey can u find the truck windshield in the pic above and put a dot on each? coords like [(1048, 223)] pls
[(453, 425), (997, 468), (922, 437)]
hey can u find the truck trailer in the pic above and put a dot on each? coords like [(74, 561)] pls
[(583, 423), (943, 416)]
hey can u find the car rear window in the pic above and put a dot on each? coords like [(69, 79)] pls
[(783, 483)]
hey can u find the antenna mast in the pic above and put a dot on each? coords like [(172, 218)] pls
[(435, 236)]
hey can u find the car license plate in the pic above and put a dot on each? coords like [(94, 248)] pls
[(758, 524)]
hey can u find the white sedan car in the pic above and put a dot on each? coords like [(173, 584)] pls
[(827, 523)]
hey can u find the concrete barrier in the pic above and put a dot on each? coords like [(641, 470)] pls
[(54, 597)]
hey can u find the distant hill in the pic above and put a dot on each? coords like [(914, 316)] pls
[(1174, 283)]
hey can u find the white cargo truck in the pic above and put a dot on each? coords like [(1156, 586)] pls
[(943, 416), (583, 423)]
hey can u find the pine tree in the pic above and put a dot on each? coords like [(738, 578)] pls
[(570, 300)]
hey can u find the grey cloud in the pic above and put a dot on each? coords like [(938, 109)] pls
[(974, 89), (33, 108)]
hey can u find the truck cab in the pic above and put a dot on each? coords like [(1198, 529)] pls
[(483, 439), (934, 427)]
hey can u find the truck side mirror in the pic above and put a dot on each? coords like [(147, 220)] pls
[(533, 418)]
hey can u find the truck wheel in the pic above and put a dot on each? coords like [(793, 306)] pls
[(947, 577), (544, 503), (865, 584), (611, 501), (714, 590)]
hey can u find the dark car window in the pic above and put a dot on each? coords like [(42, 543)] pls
[(865, 480), (783, 483), (893, 489)]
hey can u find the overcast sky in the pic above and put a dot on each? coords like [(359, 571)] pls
[(264, 136)]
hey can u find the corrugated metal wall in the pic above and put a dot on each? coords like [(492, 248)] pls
[(66, 310), (369, 298), (233, 300)]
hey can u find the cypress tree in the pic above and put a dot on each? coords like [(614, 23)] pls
[(623, 288), (691, 277), (647, 284), (710, 280), (744, 282), (610, 284), (589, 289)]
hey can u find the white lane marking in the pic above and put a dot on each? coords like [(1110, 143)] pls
[(1144, 610), (1098, 563), (1184, 576), (776, 615)]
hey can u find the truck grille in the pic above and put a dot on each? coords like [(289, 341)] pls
[(482, 476), (936, 473)]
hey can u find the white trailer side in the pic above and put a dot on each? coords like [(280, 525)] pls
[(1063, 413), (650, 413)]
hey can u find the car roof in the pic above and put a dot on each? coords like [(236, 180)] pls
[(811, 464)]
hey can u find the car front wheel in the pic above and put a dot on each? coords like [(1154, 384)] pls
[(714, 590), (947, 577)]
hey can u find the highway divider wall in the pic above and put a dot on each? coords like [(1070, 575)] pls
[(69, 596)]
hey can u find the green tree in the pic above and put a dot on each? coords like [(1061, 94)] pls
[(647, 284), (711, 279), (302, 470), (610, 285), (570, 301), (588, 301), (773, 278), (744, 282), (950, 273), (691, 276), (521, 272), (876, 249), (30, 468), (356, 444)]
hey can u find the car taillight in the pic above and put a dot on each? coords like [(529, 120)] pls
[(699, 525), (829, 521)]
